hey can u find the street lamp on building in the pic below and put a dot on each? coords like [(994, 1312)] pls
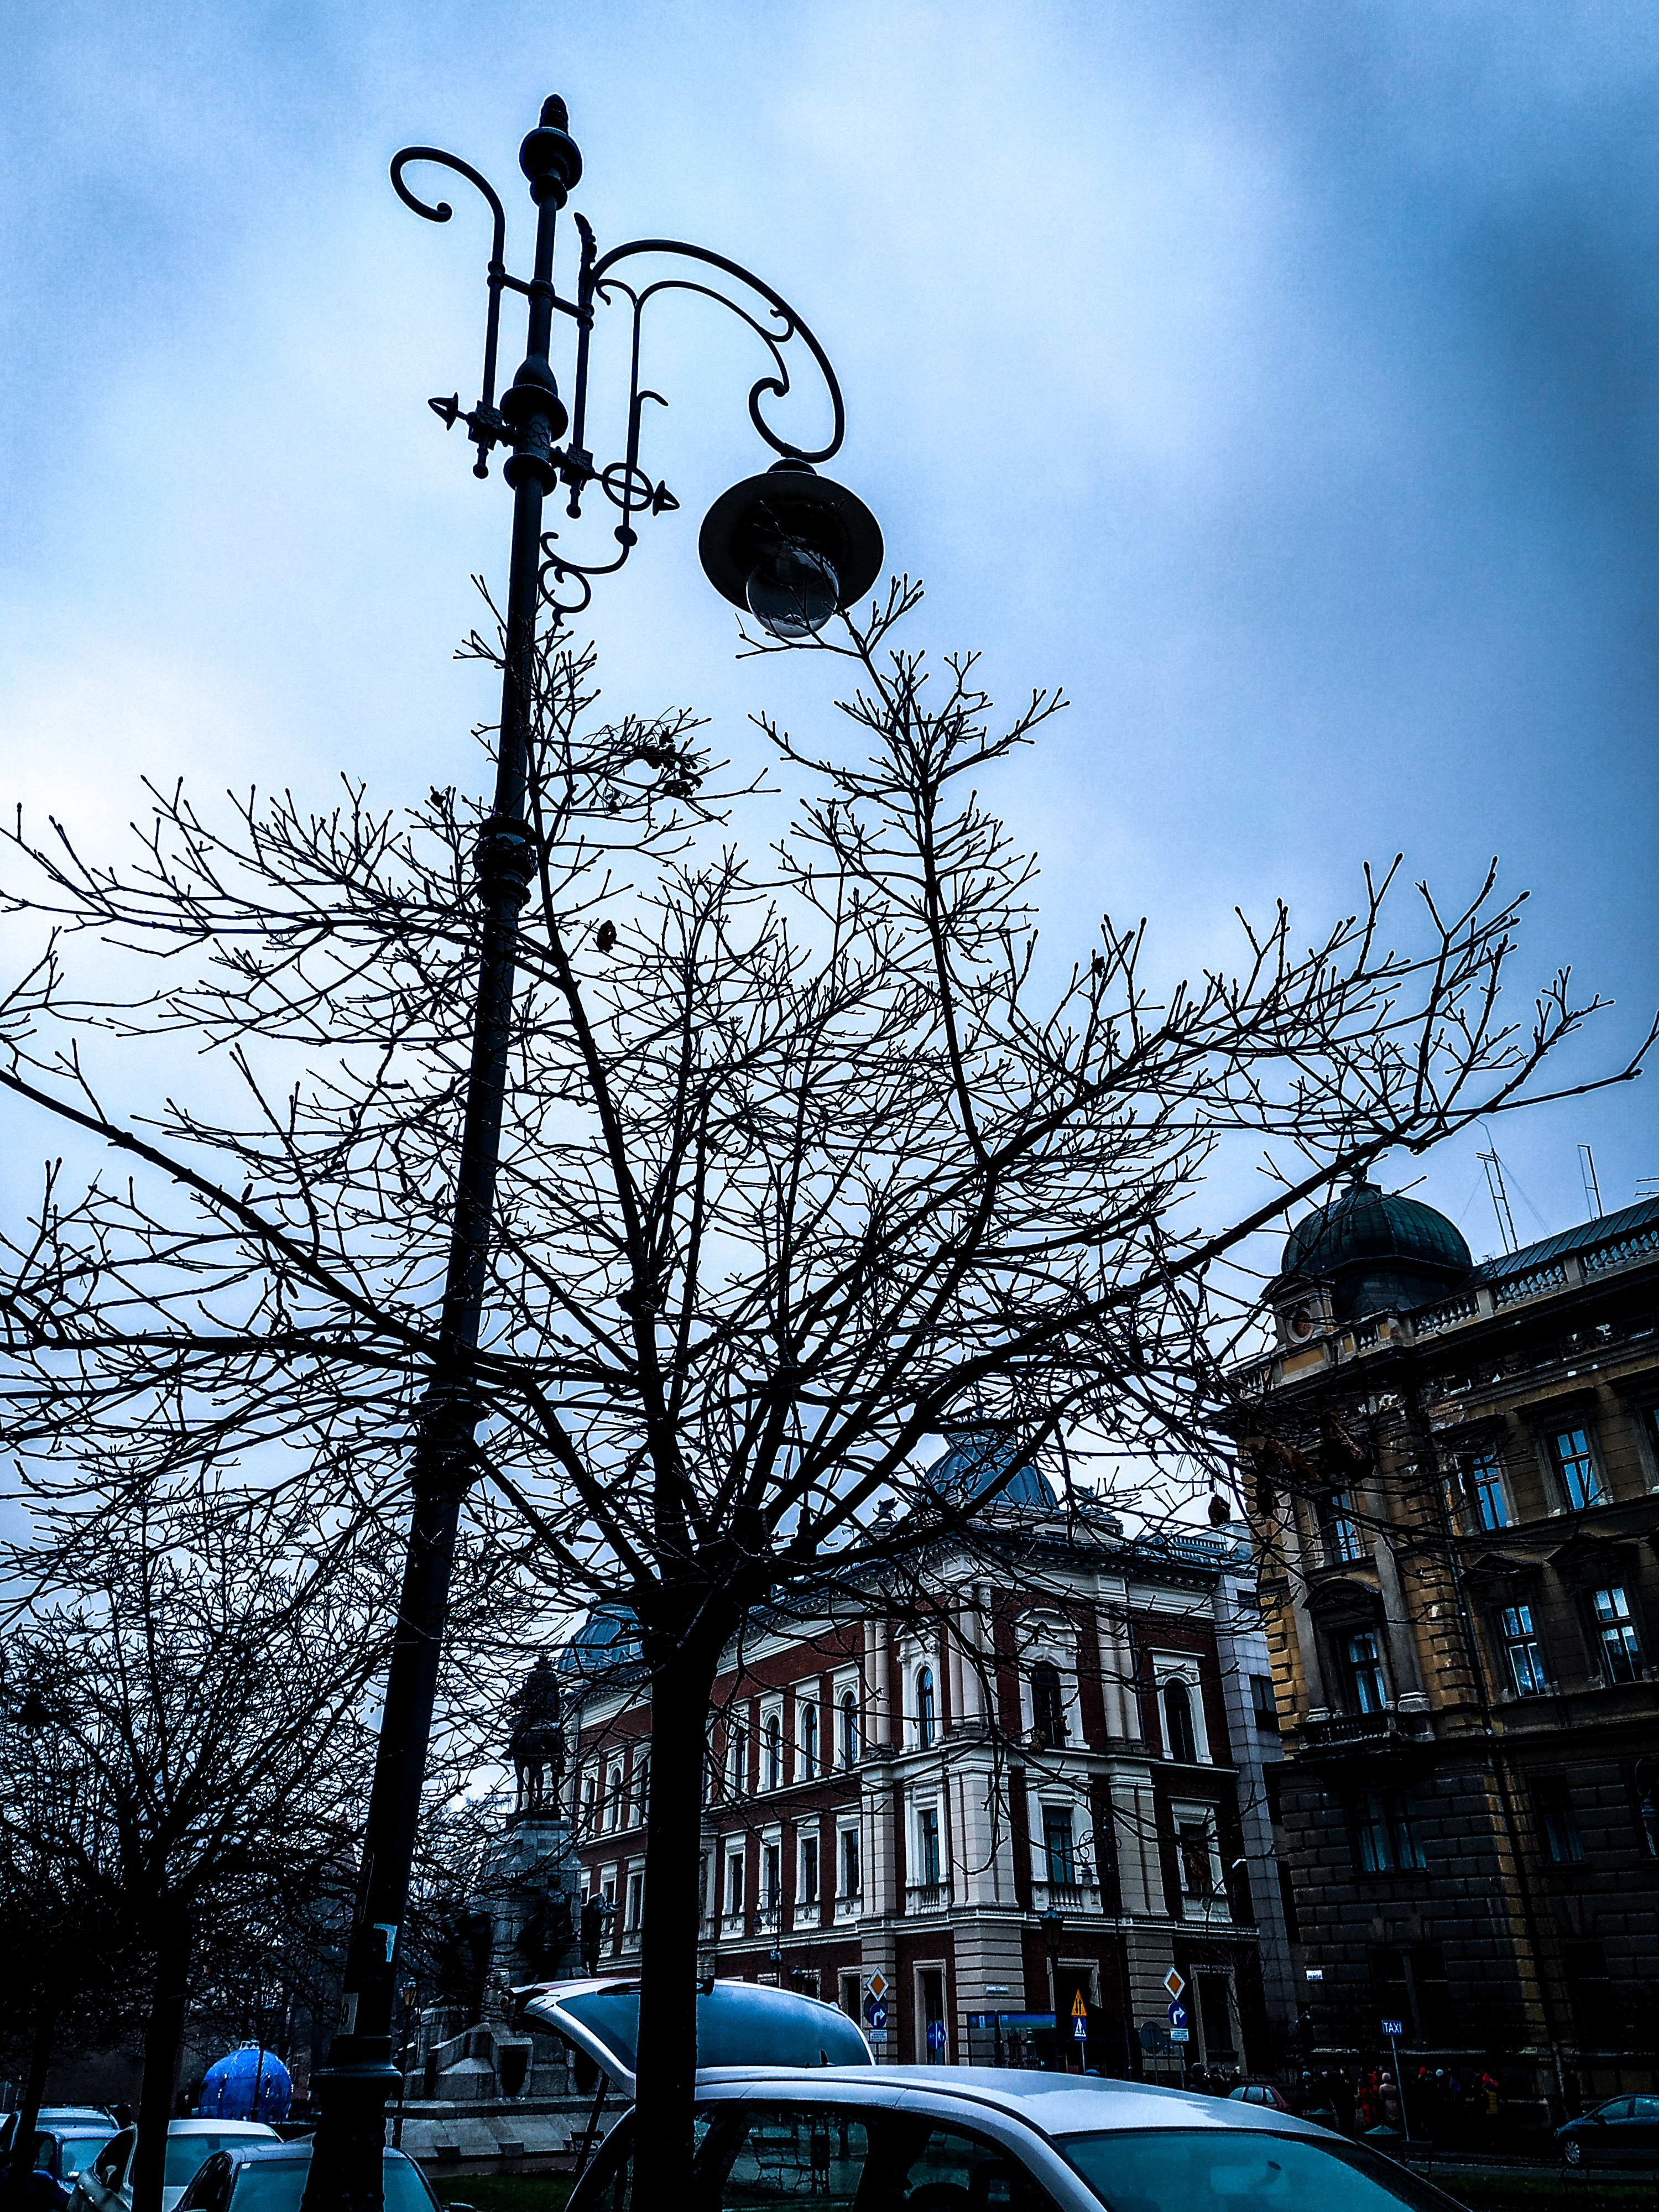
[(790, 546)]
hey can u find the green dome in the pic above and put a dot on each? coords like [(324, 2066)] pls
[(1379, 1250)]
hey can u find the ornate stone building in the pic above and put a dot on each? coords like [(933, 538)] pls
[(1059, 1721), (1454, 1472)]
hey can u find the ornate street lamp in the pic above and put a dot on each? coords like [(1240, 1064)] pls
[(793, 547)]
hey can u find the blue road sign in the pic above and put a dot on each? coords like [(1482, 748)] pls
[(1177, 2015), (1081, 2030), (1393, 2029), (878, 2013)]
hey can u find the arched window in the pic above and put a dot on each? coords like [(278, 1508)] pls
[(925, 1706), (1179, 1739), (615, 1797), (737, 1760), (1047, 1705), (809, 1741), (774, 1753), (849, 1730), (590, 1806)]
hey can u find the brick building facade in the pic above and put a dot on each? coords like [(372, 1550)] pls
[(1060, 1722), (1455, 1501)]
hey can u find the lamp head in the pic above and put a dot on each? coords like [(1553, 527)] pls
[(791, 547)]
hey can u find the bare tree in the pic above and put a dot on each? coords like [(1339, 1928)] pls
[(191, 1688), (802, 1158)]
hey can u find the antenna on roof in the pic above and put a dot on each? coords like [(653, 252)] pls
[(1592, 1189), (1500, 1199)]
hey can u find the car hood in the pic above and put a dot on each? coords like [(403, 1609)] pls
[(739, 2024)]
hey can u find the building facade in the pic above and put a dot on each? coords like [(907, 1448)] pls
[(1060, 1723), (1454, 1494)]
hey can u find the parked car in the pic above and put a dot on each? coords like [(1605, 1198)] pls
[(270, 2177), (816, 2120), (1267, 2095), (66, 2147), (106, 2185), (1625, 2131), (975, 2139)]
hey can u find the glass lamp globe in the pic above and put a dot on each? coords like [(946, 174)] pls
[(793, 590)]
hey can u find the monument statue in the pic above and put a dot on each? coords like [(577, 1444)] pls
[(536, 1744)]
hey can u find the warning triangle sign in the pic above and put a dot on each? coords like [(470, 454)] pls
[(1080, 2010)]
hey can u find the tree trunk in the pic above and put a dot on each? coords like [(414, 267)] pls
[(22, 2139), (667, 2058), (164, 2031)]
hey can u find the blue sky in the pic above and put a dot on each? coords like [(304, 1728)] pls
[(1282, 380)]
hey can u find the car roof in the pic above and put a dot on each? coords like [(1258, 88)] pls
[(1054, 2104), (278, 2147), (74, 2131), (254, 2128)]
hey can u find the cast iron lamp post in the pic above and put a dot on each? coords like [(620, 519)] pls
[(793, 547)]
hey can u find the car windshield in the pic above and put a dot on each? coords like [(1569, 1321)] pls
[(277, 2185), (76, 2153), (1241, 2170), (187, 2154), (737, 2026)]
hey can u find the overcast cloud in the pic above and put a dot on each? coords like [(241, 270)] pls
[(1280, 378)]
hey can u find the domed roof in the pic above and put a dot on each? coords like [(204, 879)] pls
[(1380, 1251), (610, 1636), (976, 1459), (1368, 1224)]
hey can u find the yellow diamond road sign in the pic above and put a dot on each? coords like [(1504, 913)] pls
[(1173, 1982), (877, 1985), (1080, 2010)]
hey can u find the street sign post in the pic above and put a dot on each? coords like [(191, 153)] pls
[(1181, 2035), (1174, 1984), (1177, 2016), (1393, 2029)]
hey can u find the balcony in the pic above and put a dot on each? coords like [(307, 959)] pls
[(1069, 1897), (1357, 1734), (927, 1896)]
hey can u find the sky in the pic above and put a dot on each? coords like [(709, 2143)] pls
[(1283, 381)]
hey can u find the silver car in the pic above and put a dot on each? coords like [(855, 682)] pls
[(951, 2138), (106, 2185)]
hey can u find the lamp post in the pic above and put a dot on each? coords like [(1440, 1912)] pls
[(1053, 1925), (793, 547)]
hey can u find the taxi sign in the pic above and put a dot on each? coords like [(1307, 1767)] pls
[(1080, 2010), (1174, 1982)]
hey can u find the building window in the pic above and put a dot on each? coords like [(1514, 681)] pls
[(1057, 1844), (809, 1741), (734, 1883), (1384, 1840), (927, 1847), (1589, 1991), (1339, 1529), (590, 1806), (1180, 1738), (642, 1788), (1521, 1652), (615, 1809), (1047, 1705), (636, 1903), (852, 1884), (1264, 1704), (1215, 2013), (736, 1761), (771, 1874), (1196, 1853), (925, 1723), (806, 1888), (1575, 1463), (1486, 1487), (773, 1734), (1644, 1798), (1363, 1662), (849, 1730), (1556, 1820), (1620, 1651)]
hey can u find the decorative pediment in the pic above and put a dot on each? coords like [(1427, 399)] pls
[(1333, 1598), (1601, 1559), (1502, 1567)]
